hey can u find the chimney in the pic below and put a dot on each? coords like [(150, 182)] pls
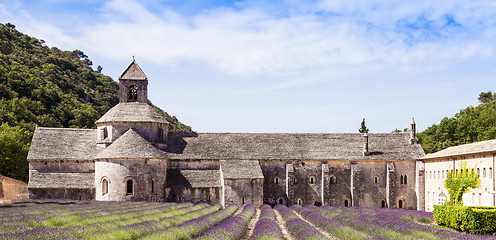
[(413, 137), (365, 144)]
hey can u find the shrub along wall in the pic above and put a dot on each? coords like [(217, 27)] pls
[(477, 220)]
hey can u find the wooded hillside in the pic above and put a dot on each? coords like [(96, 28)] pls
[(472, 124), (51, 88)]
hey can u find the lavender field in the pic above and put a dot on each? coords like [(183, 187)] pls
[(145, 220)]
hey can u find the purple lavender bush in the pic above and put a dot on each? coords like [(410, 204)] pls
[(266, 226), (232, 228), (298, 228)]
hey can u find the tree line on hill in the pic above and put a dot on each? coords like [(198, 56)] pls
[(472, 124), (48, 87)]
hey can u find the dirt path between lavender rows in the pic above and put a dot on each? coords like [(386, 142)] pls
[(282, 225), (251, 224), (329, 236)]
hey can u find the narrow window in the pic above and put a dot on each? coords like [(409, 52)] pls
[(104, 186), (401, 179), (478, 172), (428, 196), (276, 180), (129, 187), (209, 198), (376, 179), (333, 179), (383, 203), (154, 185), (300, 202), (312, 179), (133, 92), (484, 172), (243, 200), (295, 180), (443, 174), (179, 198), (404, 179), (490, 172)]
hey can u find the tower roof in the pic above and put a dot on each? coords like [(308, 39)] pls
[(130, 146), (133, 72), (132, 112)]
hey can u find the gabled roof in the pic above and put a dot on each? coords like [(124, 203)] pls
[(130, 146), (61, 180), (471, 148), (291, 146), (241, 169), (133, 72), (193, 178), (63, 144), (132, 112)]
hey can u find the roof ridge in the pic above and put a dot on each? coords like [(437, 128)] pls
[(65, 129)]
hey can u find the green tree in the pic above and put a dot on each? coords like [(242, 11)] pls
[(460, 182), (363, 128), (14, 146), (485, 97)]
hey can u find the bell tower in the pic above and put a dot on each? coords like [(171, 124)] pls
[(133, 84)]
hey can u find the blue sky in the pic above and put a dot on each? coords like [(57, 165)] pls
[(284, 66)]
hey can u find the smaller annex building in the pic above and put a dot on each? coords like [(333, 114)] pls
[(479, 156), (132, 156)]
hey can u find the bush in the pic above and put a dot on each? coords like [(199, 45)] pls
[(477, 220)]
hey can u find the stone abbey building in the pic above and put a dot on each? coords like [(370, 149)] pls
[(132, 156)]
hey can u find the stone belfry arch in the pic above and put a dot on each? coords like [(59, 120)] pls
[(133, 84)]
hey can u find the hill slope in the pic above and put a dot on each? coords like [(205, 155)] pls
[(472, 124), (51, 88)]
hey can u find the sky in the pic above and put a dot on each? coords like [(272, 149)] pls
[(284, 66)]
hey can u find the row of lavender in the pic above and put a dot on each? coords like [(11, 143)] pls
[(94, 220), (139, 220), (372, 223)]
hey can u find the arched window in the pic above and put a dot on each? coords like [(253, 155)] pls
[(383, 203), (133, 92), (179, 198), (104, 186), (295, 180), (129, 187), (276, 180), (209, 198), (404, 179), (243, 200), (478, 172), (401, 179), (376, 179), (154, 186), (443, 174), (333, 179), (280, 201), (490, 172), (346, 203), (311, 179), (484, 172), (300, 202), (401, 203)]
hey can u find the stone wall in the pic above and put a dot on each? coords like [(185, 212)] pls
[(62, 193), (142, 173), (11, 189), (210, 195), (243, 191)]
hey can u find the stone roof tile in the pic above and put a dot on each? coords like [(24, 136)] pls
[(61, 180), (133, 72), (291, 146), (471, 148), (132, 112), (130, 146), (241, 169), (193, 178), (63, 144)]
